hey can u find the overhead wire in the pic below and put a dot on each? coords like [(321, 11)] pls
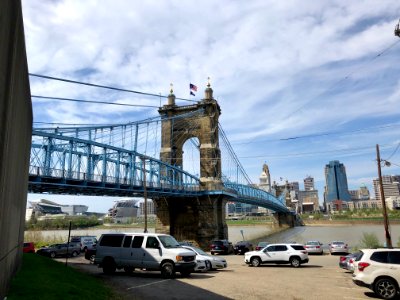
[(104, 86), (92, 101)]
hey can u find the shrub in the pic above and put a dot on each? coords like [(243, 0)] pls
[(370, 240)]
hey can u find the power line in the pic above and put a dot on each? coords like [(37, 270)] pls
[(321, 134), (349, 150), (394, 152), (104, 86), (91, 101)]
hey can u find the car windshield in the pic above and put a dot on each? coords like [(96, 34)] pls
[(217, 242), (338, 243), (198, 250), (312, 243), (168, 241)]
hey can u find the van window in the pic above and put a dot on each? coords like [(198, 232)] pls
[(152, 242), (394, 257), (127, 241), (114, 240), (137, 241)]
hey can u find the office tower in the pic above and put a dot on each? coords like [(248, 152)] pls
[(309, 183), (391, 186), (336, 182)]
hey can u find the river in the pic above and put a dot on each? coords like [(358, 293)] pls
[(351, 234)]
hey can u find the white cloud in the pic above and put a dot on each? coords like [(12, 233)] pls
[(279, 69)]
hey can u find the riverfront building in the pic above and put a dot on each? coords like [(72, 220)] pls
[(391, 186), (336, 193)]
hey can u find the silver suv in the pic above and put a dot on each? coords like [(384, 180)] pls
[(293, 254), (379, 270)]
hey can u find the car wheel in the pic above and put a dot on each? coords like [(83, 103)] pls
[(167, 270), (255, 261), (212, 253), (109, 266), (52, 254), (295, 262), (74, 253), (208, 265), (385, 288), (91, 259)]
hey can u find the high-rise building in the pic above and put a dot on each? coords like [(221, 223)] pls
[(265, 179), (391, 186), (309, 183), (336, 189)]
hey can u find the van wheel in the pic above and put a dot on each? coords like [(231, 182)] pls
[(74, 253), (52, 254), (167, 270), (109, 266)]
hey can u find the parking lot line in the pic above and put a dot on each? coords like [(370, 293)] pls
[(143, 285)]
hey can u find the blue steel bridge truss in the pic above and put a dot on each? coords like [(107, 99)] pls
[(63, 161)]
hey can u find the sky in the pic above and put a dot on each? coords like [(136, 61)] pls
[(299, 83)]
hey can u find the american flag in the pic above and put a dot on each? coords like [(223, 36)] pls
[(193, 87)]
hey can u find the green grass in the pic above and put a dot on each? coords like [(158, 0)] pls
[(43, 278)]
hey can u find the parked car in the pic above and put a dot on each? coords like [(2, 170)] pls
[(293, 254), (90, 254), (347, 262), (314, 247), (212, 262), (221, 247), (242, 247), (60, 250), (379, 270), (84, 241), (338, 247), (261, 245), (146, 251), (29, 247)]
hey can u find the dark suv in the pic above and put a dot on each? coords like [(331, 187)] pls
[(221, 247), (242, 247)]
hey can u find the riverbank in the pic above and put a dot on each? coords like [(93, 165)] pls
[(333, 222)]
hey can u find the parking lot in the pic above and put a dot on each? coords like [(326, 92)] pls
[(321, 278)]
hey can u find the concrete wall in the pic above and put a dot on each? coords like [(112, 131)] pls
[(15, 139)]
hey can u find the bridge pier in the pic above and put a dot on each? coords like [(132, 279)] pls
[(284, 219), (199, 219)]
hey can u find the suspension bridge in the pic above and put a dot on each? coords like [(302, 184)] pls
[(147, 158)]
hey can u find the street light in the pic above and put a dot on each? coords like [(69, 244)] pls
[(382, 194)]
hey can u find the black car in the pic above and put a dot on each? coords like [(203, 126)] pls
[(221, 247), (242, 247)]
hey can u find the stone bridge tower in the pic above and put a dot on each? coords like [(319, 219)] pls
[(193, 218)]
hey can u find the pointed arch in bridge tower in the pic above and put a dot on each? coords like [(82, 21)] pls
[(202, 218)]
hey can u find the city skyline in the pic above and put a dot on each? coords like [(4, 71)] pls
[(299, 84)]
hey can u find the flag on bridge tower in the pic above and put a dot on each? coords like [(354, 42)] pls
[(193, 87)]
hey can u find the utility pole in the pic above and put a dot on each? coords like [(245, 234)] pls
[(397, 29), (382, 194), (144, 193)]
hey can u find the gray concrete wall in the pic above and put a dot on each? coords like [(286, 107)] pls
[(15, 139)]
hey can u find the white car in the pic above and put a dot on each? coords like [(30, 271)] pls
[(293, 254), (212, 262), (379, 270)]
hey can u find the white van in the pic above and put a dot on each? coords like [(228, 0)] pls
[(149, 251)]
